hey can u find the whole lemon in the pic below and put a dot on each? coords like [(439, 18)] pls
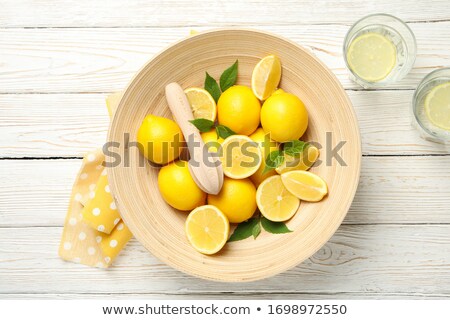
[(266, 146), (237, 199), (178, 188), (160, 139), (239, 110), (284, 116), (211, 140)]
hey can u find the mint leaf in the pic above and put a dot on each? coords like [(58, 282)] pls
[(294, 147), (212, 87), (224, 132), (244, 230), (273, 160), (256, 230), (228, 77), (274, 227), (203, 125)]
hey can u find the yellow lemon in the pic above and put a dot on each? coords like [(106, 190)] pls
[(207, 229), (274, 201), (202, 103), (241, 157), (211, 141), (372, 56), (305, 185), (239, 110), (266, 145), (278, 91), (266, 77), (303, 161), (236, 199), (437, 106), (284, 116), (160, 139), (178, 188)]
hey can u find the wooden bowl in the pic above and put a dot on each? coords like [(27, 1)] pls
[(160, 228)]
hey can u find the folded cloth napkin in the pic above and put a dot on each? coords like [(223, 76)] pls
[(93, 231)]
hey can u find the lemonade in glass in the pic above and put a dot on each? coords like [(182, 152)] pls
[(379, 49), (431, 106)]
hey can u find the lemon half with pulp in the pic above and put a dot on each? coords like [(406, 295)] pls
[(207, 229)]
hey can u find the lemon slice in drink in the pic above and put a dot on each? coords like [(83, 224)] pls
[(207, 229), (305, 185), (274, 201), (266, 77), (437, 106), (372, 56), (241, 157), (202, 103)]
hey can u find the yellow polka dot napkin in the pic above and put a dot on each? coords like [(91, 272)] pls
[(93, 231)]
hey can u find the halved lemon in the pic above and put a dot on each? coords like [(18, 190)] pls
[(305, 185), (304, 161), (437, 106), (266, 77), (372, 56), (241, 157), (274, 201), (202, 103), (207, 229)]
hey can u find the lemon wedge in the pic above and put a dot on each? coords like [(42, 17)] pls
[(202, 103), (372, 56), (241, 157), (305, 185), (266, 77), (207, 229), (274, 201), (437, 106), (304, 161)]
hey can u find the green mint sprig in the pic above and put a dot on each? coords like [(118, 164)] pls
[(205, 125), (227, 80), (252, 227), (291, 148)]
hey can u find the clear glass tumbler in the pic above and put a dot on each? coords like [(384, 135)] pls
[(421, 120), (393, 30)]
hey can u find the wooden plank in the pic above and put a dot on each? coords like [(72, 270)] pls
[(228, 296), (105, 59), (82, 13), (358, 259), (69, 125), (406, 190)]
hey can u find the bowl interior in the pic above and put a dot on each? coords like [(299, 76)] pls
[(160, 228)]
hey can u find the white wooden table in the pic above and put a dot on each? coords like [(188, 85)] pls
[(58, 61)]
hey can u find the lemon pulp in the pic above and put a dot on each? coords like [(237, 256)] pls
[(241, 157), (274, 201), (372, 56), (207, 229), (437, 106)]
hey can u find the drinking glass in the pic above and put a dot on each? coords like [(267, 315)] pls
[(396, 31)]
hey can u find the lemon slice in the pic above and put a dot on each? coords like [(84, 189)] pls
[(303, 161), (437, 106), (305, 185), (372, 56), (202, 103), (207, 229), (274, 201), (266, 145), (266, 77), (241, 157)]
